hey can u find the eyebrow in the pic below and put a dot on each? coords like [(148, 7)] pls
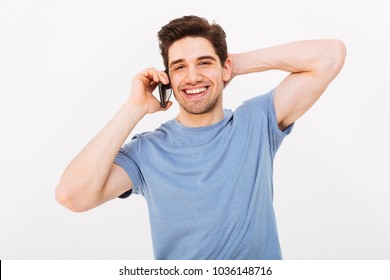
[(176, 62), (199, 58)]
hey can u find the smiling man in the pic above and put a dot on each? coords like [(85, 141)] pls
[(199, 77), (207, 174)]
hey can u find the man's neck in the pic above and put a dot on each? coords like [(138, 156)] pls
[(199, 120)]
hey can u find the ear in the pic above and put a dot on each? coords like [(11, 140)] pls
[(227, 70)]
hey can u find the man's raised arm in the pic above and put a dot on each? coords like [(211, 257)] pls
[(313, 64), (92, 178)]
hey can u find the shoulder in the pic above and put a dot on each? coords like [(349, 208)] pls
[(158, 137), (158, 133), (257, 105)]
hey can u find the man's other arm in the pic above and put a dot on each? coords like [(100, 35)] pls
[(92, 178), (312, 64)]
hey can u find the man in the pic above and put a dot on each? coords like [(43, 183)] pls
[(207, 174)]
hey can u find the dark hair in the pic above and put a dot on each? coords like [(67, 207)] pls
[(192, 26)]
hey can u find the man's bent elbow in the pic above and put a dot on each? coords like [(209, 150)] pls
[(68, 198), (338, 54)]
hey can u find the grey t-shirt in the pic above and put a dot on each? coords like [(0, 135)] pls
[(209, 190)]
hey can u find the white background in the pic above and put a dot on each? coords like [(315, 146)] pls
[(66, 68)]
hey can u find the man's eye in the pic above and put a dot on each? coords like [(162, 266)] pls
[(205, 63), (178, 67)]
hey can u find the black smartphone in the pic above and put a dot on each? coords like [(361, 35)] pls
[(165, 93)]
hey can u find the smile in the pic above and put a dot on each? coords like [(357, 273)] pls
[(195, 91)]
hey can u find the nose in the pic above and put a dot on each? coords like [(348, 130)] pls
[(193, 76)]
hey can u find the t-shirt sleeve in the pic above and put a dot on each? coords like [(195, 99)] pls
[(277, 135), (127, 158), (262, 110)]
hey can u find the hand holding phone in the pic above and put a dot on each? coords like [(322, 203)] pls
[(165, 92)]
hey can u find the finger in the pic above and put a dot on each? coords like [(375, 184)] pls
[(150, 74), (153, 84), (156, 76), (163, 77)]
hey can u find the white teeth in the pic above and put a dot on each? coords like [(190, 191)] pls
[(195, 91)]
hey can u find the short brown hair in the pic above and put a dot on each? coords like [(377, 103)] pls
[(192, 26)]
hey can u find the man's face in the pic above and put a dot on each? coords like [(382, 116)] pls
[(196, 75)]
